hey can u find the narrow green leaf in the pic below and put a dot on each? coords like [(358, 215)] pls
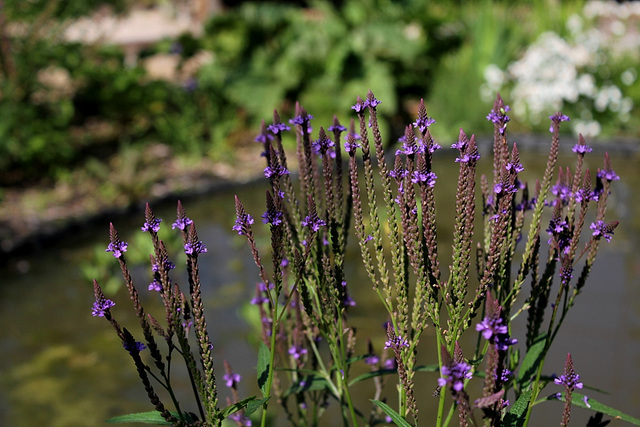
[(380, 372), (152, 417), (517, 414), (235, 407), (254, 405), (531, 361), (427, 368), (578, 400), (371, 374), (308, 383), (264, 357), (397, 418)]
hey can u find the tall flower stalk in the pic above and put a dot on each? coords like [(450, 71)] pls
[(308, 347)]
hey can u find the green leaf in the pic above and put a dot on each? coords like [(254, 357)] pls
[(427, 368), (397, 418), (594, 405), (380, 372), (152, 417), (371, 374), (308, 383), (532, 361), (264, 357), (235, 407), (253, 405), (518, 411)]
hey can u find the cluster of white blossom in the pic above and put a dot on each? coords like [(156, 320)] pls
[(557, 72)]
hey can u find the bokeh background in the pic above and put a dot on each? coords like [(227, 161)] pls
[(107, 104)]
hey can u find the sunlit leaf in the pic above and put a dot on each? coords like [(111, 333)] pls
[(397, 418), (264, 357)]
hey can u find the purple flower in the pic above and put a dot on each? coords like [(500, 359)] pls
[(455, 375), (359, 106), (556, 119), (557, 226), (601, 229), (243, 223), (297, 351), (372, 102), (517, 167), (241, 419), (117, 247), (423, 123), (372, 359), (273, 218), (409, 149), (322, 144), (351, 144), (155, 286), (460, 144), (137, 346), (168, 265), (299, 120), (495, 331), (338, 128), (313, 222), (259, 300), (500, 118), (277, 128), (278, 170), (569, 379), (581, 149), (348, 301), (181, 223), (491, 326), (466, 158), (609, 175), (504, 188), (263, 138), (154, 225), (434, 147), (396, 342), (101, 306), (561, 191), (398, 174), (195, 248), (583, 194), (429, 178), (231, 379)]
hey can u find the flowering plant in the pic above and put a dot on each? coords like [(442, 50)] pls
[(307, 352)]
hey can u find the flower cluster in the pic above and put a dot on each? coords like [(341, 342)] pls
[(496, 331), (455, 375), (558, 72), (100, 307)]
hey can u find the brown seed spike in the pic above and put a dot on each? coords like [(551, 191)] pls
[(113, 233)]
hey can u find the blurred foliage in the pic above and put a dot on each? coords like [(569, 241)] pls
[(494, 33), (63, 103), (270, 55), (43, 10)]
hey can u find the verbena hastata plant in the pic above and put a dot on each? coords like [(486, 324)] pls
[(307, 354)]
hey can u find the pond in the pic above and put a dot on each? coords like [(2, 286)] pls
[(61, 367)]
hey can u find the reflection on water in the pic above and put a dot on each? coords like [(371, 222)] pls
[(61, 367)]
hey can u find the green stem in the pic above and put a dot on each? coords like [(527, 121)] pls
[(344, 382), (443, 392), (548, 341), (272, 357)]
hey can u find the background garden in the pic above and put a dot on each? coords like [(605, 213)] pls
[(86, 122), (88, 128)]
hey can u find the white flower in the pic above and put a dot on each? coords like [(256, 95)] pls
[(588, 129)]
